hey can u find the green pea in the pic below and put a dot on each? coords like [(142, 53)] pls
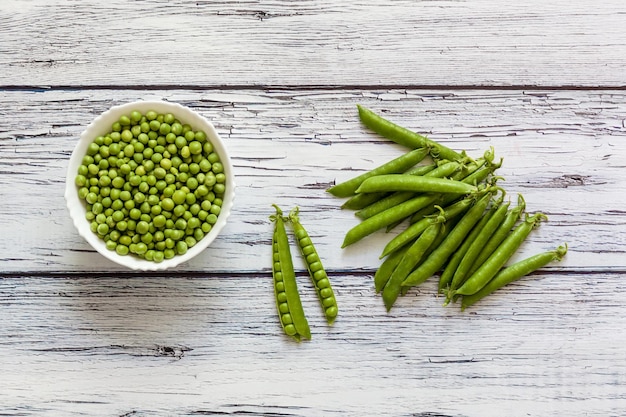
[(290, 329), (179, 210), (121, 250), (181, 224), (80, 180), (326, 293), (159, 221), (217, 168), (318, 275), (195, 147), (143, 227), (323, 283), (179, 197), (219, 188), (91, 198), (158, 256), (93, 149), (181, 248), (198, 234), (102, 229), (167, 204), (147, 238), (127, 136), (331, 312), (286, 319)]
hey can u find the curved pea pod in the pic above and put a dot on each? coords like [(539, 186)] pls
[(289, 305), (453, 240), (500, 256), (316, 269), (514, 272), (399, 164), (411, 259), (403, 136)]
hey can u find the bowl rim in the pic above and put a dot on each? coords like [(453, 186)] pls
[(102, 125)]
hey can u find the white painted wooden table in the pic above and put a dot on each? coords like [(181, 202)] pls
[(544, 83)]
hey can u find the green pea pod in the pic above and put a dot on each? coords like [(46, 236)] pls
[(423, 184), (446, 228), (314, 265), (511, 218), (500, 256), (387, 217), (411, 259), (448, 199), (400, 164), (384, 203), (446, 277), (284, 272), (414, 230), (361, 201), (393, 199), (478, 244), (514, 272), (402, 135), (384, 271), (440, 255), (476, 174)]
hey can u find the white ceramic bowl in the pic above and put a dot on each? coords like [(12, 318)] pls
[(101, 126)]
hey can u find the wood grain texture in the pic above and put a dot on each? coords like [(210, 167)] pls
[(563, 150), (250, 43), (541, 82), (169, 345)]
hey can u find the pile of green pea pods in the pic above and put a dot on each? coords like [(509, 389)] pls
[(458, 223), (153, 186)]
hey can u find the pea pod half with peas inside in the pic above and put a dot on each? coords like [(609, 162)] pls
[(314, 266)]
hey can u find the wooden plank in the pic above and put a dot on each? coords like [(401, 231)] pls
[(169, 345), (563, 150), (214, 43)]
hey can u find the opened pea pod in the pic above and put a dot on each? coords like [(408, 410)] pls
[(288, 301), (314, 266)]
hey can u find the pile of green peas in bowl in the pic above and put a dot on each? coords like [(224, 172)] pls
[(150, 184)]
